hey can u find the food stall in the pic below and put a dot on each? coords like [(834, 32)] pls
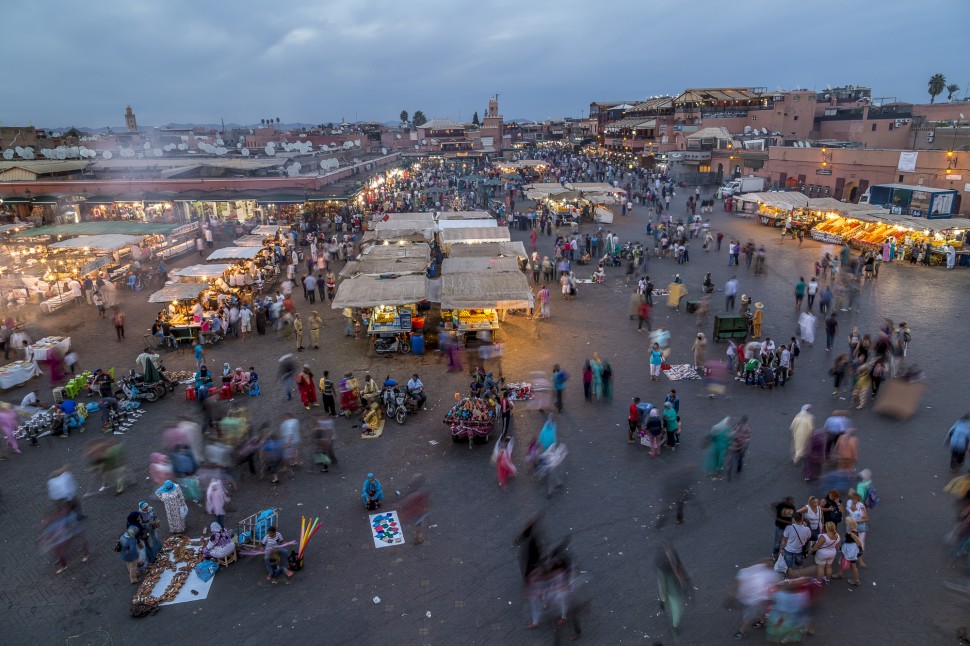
[(49, 346), (373, 291), (391, 319), (16, 373), (266, 230), (370, 265), (180, 297), (466, 224), (250, 241), (773, 209), (235, 253), (473, 235), (202, 273), (395, 228), (464, 215), (868, 231), (474, 290)]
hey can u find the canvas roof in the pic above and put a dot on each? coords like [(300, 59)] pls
[(45, 167), (394, 229), (202, 271), (235, 253), (375, 266), (106, 242), (499, 290), (369, 291), (473, 264), (442, 124), (250, 241), (177, 292), (265, 230), (97, 228), (417, 250), (474, 234), (466, 224), (462, 215), (514, 249)]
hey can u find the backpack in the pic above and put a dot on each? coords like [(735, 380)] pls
[(872, 498)]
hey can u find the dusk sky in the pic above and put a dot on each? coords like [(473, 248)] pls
[(80, 63)]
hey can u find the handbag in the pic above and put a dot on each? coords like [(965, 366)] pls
[(845, 563)]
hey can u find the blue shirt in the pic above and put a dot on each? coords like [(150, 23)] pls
[(69, 406), (198, 352), (959, 435)]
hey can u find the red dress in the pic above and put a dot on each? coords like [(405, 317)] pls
[(308, 390)]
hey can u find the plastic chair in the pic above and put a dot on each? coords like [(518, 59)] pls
[(71, 389)]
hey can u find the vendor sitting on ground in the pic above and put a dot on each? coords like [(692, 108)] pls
[(585, 259), (600, 274), (220, 543), (372, 419), (370, 391), (372, 493)]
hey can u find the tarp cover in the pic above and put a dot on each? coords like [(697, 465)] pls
[(474, 235), (463, 215), (397, 229), (466, 224), (99, 228), (418, 250), (106, 242), (235, 253), (177, 292), (515, 249), (265, 230), (478, 265), (375, 266), (202, 271), (500, 290), (367, 291), (252, 240)]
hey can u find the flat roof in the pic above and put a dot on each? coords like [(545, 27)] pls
[(99, 228)]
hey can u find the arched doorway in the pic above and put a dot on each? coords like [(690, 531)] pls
[(851, 192)]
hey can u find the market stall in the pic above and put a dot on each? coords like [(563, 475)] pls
[(177, 292), (265, 230), (473, 235), (202, 273), (235, 253), (250, 241), (870, 231), (466, 224), (514, 249), (18, 372), (48, 347), (384, 266), (370, 291), (463, 215), (398, 228), (474, 291)]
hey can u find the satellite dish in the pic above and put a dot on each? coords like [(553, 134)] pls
[(245, 152), (383, 151), (398, 136), (764, 131), (107, 154), (270, 150), (221, 151), (8, 154), (60, 154), (183, 146), (348, 145), (220, 142), (157, 152), (357, 142), (19, 150), (147, 146), (423, 142), (239, 145), (417, 147), (28, 153)]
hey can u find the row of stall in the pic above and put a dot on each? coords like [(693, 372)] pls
[(569, 200)]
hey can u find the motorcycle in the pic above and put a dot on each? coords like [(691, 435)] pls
[(397, 402), (396, 343), (134, 389)]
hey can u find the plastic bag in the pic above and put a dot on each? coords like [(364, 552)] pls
[(206, 570), (780, 565)]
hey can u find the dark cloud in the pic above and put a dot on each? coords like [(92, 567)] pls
[(322, 60)]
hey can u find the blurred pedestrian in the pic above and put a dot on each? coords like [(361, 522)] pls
[(739, 438), (175, 508), (216, 498), (118, 319)]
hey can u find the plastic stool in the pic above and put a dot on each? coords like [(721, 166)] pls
[(190, 393), (58, 395), (225, 392)]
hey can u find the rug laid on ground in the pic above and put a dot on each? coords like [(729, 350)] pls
[(681, 372), (172, 578), (386, 529)]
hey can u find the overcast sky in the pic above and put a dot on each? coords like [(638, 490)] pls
[(314, 61)]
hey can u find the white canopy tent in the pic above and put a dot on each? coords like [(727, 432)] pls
[(252, 240), (505, 290), (368, 291), (463, 215), (177, 292), (235, 253), (105, 243), (514, 249), (466, 224), (377, 266), (473, 235), (265, 230), (202, 271), (479, 265), (416, 250)]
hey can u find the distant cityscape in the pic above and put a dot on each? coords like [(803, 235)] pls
[(832, 143)]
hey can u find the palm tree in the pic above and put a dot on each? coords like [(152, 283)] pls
[(951, 89), (404, 116), (419, 119), (936, 86), (277, 121), (262, 122)]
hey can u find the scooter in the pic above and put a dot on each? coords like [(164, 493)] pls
[(397, 402), (397, 343), (132, 390)]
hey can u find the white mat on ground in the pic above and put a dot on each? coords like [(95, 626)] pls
[(386, 529), (681, 372), (192, 585)]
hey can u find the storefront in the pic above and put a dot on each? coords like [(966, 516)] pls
[(476, 292)]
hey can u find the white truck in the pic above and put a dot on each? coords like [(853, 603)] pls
[(749, 184)]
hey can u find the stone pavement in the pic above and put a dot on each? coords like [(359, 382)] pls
[(462, 586)]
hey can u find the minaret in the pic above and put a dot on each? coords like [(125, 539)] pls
[(130, 120)]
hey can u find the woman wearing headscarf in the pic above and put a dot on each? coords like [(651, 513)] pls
[(175, 508), (719, 438), (220, 543), (307, 387), (149, 522), (671, 424), (216, 498), (548, 436), (801, 432), (655, 428)]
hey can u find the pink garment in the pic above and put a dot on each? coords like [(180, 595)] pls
[(8, 423), (159, 468), (216, 498), (175, 436)]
